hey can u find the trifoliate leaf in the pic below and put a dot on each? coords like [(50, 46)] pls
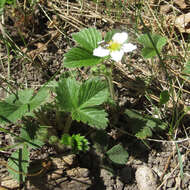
[(20, 104), (142, 126), (149, 50), (19, 162), (118, 154), (83, 100), (79, 57), (39, 98), (92, 92), (67, 94), (88, 38), (22, 96), (92, 116), (15, 106)]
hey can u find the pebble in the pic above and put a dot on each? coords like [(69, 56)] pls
[(146, 178), (10, 183), (171, 182)]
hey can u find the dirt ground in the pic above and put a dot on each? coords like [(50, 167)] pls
[(42, 37)]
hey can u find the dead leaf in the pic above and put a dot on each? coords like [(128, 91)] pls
[(181, 3), (182, 22)]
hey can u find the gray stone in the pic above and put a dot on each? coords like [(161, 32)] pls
[(146, 178), (186, 179), (170, 182), (107, 177)]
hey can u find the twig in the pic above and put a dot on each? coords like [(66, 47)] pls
[(165, 141)]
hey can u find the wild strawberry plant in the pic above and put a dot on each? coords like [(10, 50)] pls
[(82, 101)]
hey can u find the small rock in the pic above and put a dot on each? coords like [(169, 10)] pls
[(56, 174), (186, 179), (107, 178), (64, 161), (146, 178), (9, 183), (69, 159), (170, 182), (78, 184), (78, 172)]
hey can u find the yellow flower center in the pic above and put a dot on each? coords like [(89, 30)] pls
[(114, 46)]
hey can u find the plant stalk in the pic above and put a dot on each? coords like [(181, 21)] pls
[(67, 124), (110, 82)]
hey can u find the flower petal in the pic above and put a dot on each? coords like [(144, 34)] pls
[(117, 55), (101, 52), (120, 37), (128, 47)]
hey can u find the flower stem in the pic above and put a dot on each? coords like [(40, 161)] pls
[(67, 124), (110, 81)]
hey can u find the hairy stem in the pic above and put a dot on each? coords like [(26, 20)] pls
[(67, 124), (110, 81), (59, 122)]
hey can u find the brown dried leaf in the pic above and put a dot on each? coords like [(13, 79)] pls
[(181, 3), (182, 22)]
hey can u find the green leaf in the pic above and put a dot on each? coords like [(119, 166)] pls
[(110, 34), (92, 92), (67, 94), (83, 100), (76, 142), (149, 50), (39, 98), (21, 97), (118, 154), (164, 97), (20, 104), (180, 161), (13, 109), (78, 57), (144, 133), (92, 116), (66, 139), (142, 126), (186, 70), (88, 38), (30, 132), (10, 2), (19, 162), (2, 3)]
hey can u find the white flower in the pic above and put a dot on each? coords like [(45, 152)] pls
[(115, 48), (101, 52)]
